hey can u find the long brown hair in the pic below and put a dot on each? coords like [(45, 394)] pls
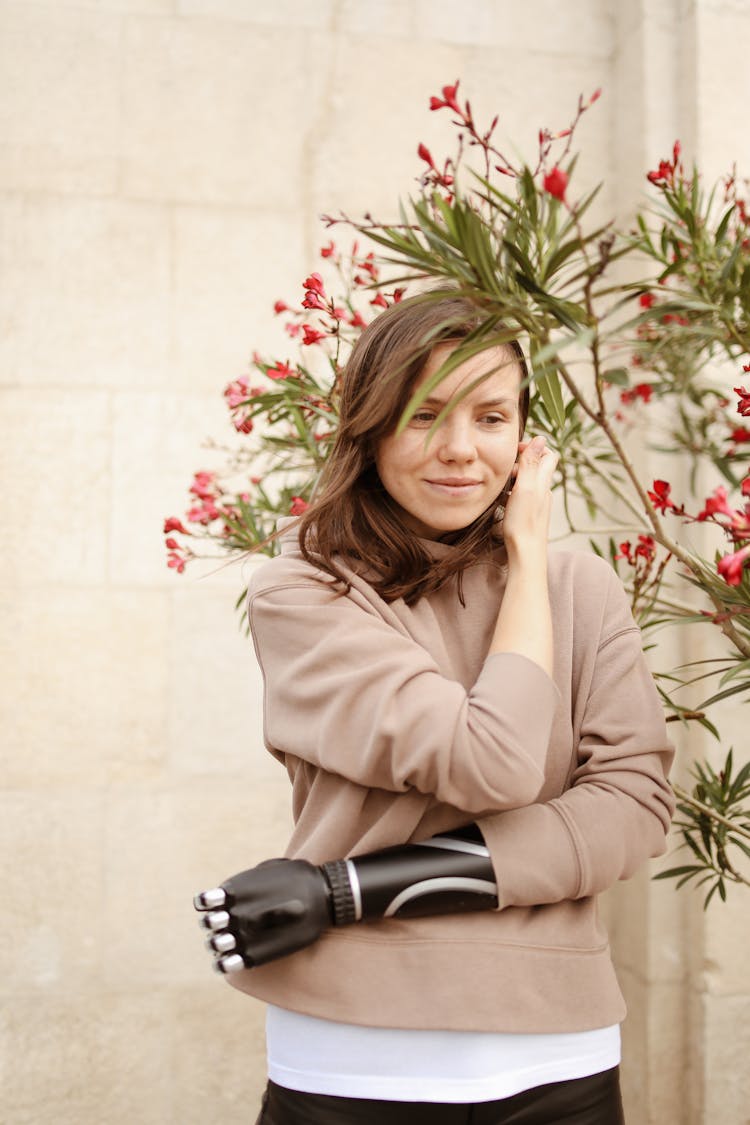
[(352, 515)]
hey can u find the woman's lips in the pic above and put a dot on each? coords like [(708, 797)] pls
[(454, 486)]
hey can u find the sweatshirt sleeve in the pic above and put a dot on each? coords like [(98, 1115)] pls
[(354, 695), (617, 811)]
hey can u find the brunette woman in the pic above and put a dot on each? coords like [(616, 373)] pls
[(429, 664)]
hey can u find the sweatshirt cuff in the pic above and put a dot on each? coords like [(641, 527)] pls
[(533, 856)]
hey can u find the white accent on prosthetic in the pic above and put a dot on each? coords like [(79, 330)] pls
[(232, 963), (221, 943), (356, 890), (211, 899), (448, 844), (447, 883), (216, 920)]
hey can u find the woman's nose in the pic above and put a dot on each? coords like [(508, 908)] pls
[(456, 441)]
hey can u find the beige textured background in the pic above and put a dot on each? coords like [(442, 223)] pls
[(162, 166)]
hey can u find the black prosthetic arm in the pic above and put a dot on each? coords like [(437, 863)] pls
[(283, 905)]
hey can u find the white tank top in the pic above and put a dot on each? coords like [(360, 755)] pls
[(324, 1057)]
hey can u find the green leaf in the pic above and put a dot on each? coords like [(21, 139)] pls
[(619, 376), (721, 230), (549, 387)]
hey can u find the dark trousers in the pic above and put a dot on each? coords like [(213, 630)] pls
[(581, 1101)]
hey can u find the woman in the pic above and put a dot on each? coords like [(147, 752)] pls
[(428, 664)]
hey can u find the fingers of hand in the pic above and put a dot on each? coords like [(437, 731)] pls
[(221, 942), (535, 457)]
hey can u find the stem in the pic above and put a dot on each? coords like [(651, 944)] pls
[(694, 803), (611, 484), (671, 545)]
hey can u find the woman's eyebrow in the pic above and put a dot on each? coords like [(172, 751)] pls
[(496, 402)]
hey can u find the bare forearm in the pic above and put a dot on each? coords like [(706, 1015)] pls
[(524, 623)]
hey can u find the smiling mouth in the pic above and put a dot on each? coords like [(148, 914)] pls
[(455, 482)]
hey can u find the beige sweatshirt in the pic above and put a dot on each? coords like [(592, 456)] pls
[(394, 724)]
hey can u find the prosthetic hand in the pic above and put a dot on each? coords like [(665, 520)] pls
[(283, 905)]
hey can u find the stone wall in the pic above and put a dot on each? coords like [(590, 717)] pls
[(162, 167)]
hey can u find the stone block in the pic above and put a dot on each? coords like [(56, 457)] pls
[(214, 111), (85, 299), (377, 19), (121, 7), (54, 461), (80, 1058), (722, 35), (159, 443), (218, 1052), (230, 266), (364, 149), (59, 109), (725, 943), (652, 1051), (581, 28), (160, 849), (216, 700), (726, 1051), (550, 100), (55, 888), (284, 13), (86, 680)]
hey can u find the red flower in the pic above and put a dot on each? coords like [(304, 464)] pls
[(555, 183), (646, 300), (313, 300), (236, 392), (646, 548), (730, 567), (424, 154), (173, 524), (740, 435), (746, 486), (379, 301), (746, 367), (314, 282), (311, 335), (329, 250), (298, 506), (358, 321), (448, 99), (664, 174), (673, 318), (176, 562), (203, 486), (715, 504), (743, 406), (280, 307), (204, 513), (660, 496), (242, 423), (281, 371), (640, 390)]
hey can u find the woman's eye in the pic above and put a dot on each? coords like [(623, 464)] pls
[(423, 417), (493, 419)]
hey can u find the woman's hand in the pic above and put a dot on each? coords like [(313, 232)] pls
[(524, 623), (527, 513)]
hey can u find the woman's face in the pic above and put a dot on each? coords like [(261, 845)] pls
[(445, 484)]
